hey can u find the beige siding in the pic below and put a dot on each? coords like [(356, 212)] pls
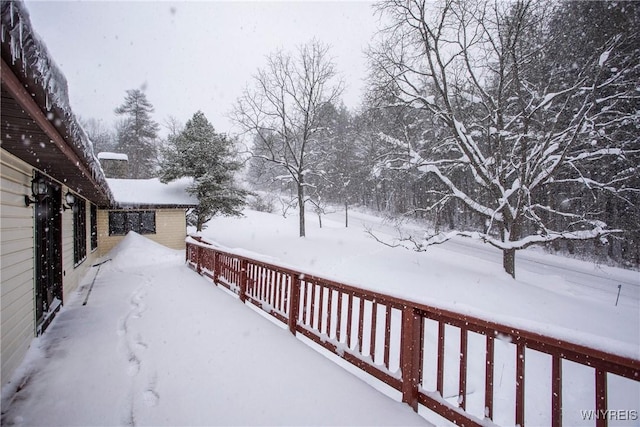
[(171, 230), (16, 263)]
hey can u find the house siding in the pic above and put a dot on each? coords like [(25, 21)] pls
[(171, 230), (17, 318), (17, 315)]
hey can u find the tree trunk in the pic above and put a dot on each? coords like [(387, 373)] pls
[(199, 223), (301, 205), (346, 215), (509, 261)]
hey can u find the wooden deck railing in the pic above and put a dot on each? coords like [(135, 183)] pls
[(385, 337)]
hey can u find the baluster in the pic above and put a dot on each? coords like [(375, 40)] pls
[(372, 340), (387, 335), (321, 311), (285, 291), (360, 324), (305, 305), (488, 381), (349, 319), (329, 311), (462, 388), (278, 304), (440, 378), (339, 318)]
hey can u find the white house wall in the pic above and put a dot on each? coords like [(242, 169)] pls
[(16, 263), (17, 266)]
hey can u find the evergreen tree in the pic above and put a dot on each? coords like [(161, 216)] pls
[(206, 156), (137, 134)]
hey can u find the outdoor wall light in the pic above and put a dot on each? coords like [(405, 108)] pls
[(39, 190), (70, 199)]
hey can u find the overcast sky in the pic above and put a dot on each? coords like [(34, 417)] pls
[(191, 56)]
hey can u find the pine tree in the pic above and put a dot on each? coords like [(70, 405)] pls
[(206, 156), (137, 134)]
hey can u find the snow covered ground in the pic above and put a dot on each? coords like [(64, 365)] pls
[(157, 344), (569, 299), (448, 277)]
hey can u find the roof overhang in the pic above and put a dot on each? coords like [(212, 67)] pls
[(38, 126), (151, 194), (150, 207)]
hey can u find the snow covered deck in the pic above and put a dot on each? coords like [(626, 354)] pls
[(157, 344)]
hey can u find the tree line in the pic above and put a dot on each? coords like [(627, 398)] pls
[(515, 123)]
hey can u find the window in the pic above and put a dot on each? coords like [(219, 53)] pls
[(142, 222), (94, 228), (79, 231)]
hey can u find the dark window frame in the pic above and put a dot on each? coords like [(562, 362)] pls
[(79, 231), (94, 227), (140, 221)]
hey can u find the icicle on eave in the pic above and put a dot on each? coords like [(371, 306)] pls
[(21, 40), (14, 44)]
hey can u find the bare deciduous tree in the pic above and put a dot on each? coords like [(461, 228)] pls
[(514, 133), (283, 109)]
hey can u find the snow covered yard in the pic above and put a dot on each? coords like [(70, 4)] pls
[(552, 301), (444, 277), (157, 344)]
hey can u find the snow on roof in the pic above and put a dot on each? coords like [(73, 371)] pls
[(152, 192), (106, 155)]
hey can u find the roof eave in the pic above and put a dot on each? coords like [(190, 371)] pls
[(129, 206), (47, 135)]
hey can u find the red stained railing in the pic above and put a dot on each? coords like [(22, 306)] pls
[(387, 337)]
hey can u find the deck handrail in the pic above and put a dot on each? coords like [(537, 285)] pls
[(332, 314)]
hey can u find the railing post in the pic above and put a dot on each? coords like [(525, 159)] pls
[(243, 279), (216, 266), (556, 391), (294, 302), (520, 370), (601, 397), (411, 349), (199, 259)]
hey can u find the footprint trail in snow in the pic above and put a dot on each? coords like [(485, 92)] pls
[(143, 378)]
